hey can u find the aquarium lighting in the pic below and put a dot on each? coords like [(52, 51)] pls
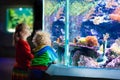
[(20, 9)]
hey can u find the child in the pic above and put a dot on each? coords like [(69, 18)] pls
[(23, 52), (43, 56)]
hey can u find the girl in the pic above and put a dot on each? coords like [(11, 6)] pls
[(43, 56), (23, 52)]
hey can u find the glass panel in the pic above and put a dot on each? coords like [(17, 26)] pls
[(94, 33), (92, 27), (54, 23)]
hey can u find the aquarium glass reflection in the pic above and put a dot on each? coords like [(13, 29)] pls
[(94, 33), (54, 23), (19, 15)]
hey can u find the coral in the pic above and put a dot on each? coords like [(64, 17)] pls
[(82, 41), (115, 47), (97, 20), (114, 63), (87, 62), (116, 14), (91, 41)]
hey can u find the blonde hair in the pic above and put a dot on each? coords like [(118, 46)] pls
[(18, 29), (42, 38)]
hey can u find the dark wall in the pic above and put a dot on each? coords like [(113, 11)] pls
[(6, 48)]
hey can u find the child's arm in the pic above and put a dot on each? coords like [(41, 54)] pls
[(26, 50), (53, 56)]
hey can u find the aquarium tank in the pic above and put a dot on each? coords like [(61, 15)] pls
[(86, 33), (17, 15), (54, 23)]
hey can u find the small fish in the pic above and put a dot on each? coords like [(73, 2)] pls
[(93, 32)]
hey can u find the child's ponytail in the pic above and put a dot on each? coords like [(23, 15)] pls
[(17, 35)]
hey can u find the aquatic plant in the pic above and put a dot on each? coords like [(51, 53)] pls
[(80, 7), (15, 16), (52, 6)]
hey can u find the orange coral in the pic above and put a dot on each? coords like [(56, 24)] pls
[(116, 14), (115, 17), (91, 41)]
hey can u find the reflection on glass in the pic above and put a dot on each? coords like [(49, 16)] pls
[(54, 23)]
